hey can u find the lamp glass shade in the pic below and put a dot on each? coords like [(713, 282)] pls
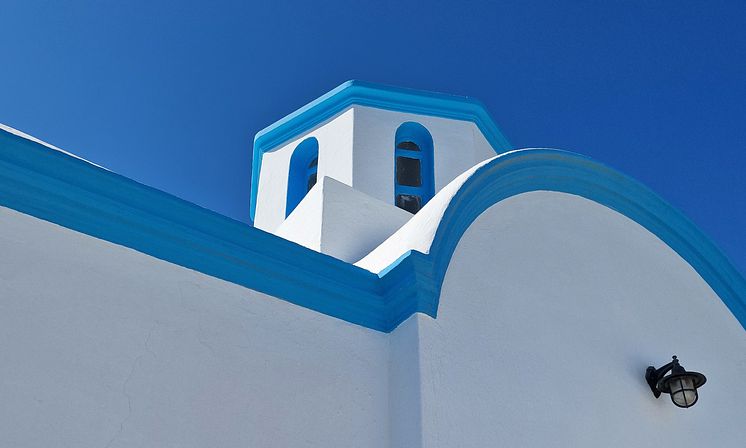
[(683, 392)]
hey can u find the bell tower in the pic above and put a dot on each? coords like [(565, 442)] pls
[(376, 154)]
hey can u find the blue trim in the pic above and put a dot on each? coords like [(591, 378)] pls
[(554, 170), (64, 190), (300, 172), (419, 135), (372, 95), (56, 187)]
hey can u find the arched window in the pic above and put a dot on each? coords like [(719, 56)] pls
[(304, 165), (414, 181)]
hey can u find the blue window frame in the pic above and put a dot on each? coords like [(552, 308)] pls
[(304, 165), (414, 171)]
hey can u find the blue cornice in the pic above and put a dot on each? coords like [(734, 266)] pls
[(59, 188), (372, 95), (56, 187)]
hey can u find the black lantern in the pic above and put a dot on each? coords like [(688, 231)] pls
[(682, 385)]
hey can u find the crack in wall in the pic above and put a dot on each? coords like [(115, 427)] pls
[(147, 348)]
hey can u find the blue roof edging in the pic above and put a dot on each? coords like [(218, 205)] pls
[(62, 189), (562, 171), (73, 193), (373, 95)]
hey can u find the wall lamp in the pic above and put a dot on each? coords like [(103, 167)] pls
[(682, 385)]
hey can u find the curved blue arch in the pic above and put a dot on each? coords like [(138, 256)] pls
[(300, 171), (523, 171), (416, 133)]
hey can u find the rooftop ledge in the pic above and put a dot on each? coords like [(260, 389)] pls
[(42, 181)]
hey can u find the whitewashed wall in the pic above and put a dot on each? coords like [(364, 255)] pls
[(102, 346), (551, 310), (337, 220)]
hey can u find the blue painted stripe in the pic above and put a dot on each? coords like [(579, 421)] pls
[(56, 187), (373, 95)]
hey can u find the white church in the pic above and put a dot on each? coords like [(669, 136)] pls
[(410, 281)]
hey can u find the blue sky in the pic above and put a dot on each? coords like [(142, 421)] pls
[(170, 93)]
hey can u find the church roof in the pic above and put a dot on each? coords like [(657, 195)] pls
[(399, 278), (373, 95)]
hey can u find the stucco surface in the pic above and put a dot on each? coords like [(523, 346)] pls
[(337, 220), (418, 233), (304, 224), (551, 309), (102, 346)]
